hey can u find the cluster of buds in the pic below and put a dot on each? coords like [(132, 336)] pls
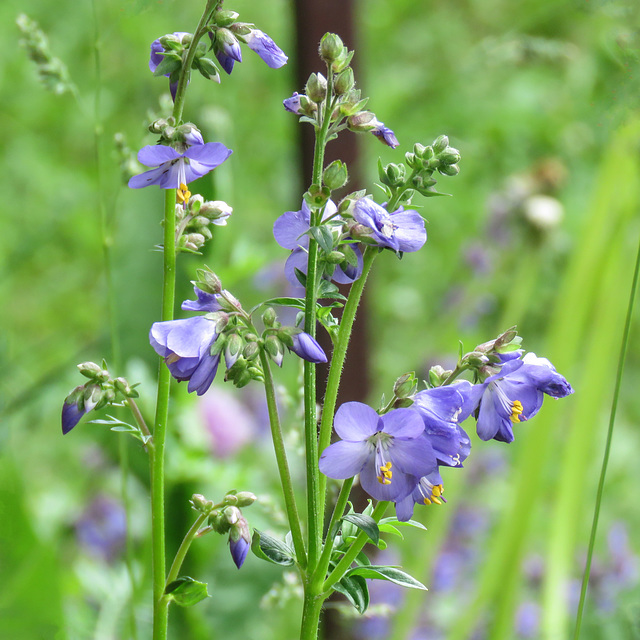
[(227, 518), (193, 219), (179, 137), (100, 391), (485, 360), (172, 49), (417, 173), (348, 106), (52, 71)]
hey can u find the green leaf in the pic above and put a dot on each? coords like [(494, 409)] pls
[(170, 63), (392, 574), (186, 591), (402, 523), (365, 523), (297, 303), (323, 237), (388, 528), (271, 549), (123, 427), (356, 590)]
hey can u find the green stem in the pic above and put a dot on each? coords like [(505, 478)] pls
[(607, 449), (184, 548), (185, 73), (156, 454), (283, 465), (311, 610), (314, 510), (338, 511), (137, 415), (338, 358), (348, 558)]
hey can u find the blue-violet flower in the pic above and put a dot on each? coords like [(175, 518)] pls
[(387, 451), (306, 347), (384, 134), (157, 56), (266, 48)]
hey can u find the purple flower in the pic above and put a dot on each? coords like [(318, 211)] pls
[(291, 232), (80, 401), (227, 49), (239, 549), (428, 490), (292, 104), (387, 451), (513, 395), (173, 169), (266, 48), (157, 56), (439, 409), (401, 230), (384, 134), (186, 344), (307, 348), (102, 528)]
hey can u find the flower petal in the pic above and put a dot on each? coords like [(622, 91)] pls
[(290, 229), (157, 154), (206, 302), (211, 154), (409, 233), (401, 485), (403, 423), (344, 459), (204, 374), (414, 456), (356, 421)]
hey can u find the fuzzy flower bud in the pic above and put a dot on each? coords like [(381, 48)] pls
[(331, 47), (344, 82), (335, 175), (316, 88), (208, 281), (362, 121), (217, 211)]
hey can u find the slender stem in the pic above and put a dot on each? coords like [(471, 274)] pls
[(314, 510), (156, 455), (184, 548), (607, 448), (283, 465), (338, 511), (185, 73), (137, 415), (338, 358), (347, 559)]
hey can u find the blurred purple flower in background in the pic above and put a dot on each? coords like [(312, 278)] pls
[(102, 528)]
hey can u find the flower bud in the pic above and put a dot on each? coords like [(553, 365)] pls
[(200, 503), (395, 174), (224, 18), (269, 317), (344, 82), (405, 385), (440, 144), (91, 370), (245, 498), (208, 281), (331, 47), (232, 514), (316, 88), (334, 258), (233, 348), (437, 375), (362, 121), (217, 211), (124, 388), (231, 499), (449, 156), (274, 348), (251, 350), (449, 170), (335, 175), (189, 134)]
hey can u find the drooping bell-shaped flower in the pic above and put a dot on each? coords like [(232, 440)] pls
[(307, 348), (266, 48), (387, 451)]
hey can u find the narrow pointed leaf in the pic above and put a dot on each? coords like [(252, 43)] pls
[(392, 574), (271, 549), (365, 523), (356, 590)]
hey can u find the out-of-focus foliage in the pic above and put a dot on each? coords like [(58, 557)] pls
[(541, 99)]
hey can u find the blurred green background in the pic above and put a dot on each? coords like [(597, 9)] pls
[(542, 100)]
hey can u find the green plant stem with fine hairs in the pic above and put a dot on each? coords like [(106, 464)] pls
[(607, 448)]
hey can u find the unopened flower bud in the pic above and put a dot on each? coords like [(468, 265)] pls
[(216, 210), (274, 348), (344, 82), (232, 514), (440, 144), (331, 47), (231, 499), (437, 375), (335, 175), (316, 88), (450, 156), (90, 370), (362, 121), (476, 359), (189, 134), (157, 126), (251, 350), (225, 18), (208, 281), (122, 385), (405, 385), (200, 503), (194, 240), (449, 170), (233, 348), (245, 498), (269, 317)]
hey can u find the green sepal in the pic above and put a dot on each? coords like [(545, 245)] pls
[(123, 427), (365, 523), (170, 62), (392, 574), (323, 236), (356, 590), (271, 549), (207, 68), (186, 591)]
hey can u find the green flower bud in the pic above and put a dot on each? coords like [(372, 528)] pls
[(231, 499), (344, 82), (251, 350), (274, 348), (208, 281), (405, 385), (335, 175), (437, 375), (245, 498), (476, 359), (449, 170), (218, 346), (307, 107), (331, 47), (316, 88), (269, 317), (220, 318), (440, 144), (92, 371), (224, 18), (450, 156), (215, 210), (334, 258), (233, 348), (362, 121), (200, 503)]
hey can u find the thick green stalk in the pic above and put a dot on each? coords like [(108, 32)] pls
[(311, 615), (607, 449), (315, 511), (338, 511), (338, 358), (283, 465), (156, 454), (348, 558)]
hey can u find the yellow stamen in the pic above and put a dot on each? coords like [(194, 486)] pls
[(183, 194), (437, 490), (516, 411), (385, 473), (436, 500), (427, 501)]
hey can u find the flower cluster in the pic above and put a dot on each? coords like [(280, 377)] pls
[(399, 454)]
